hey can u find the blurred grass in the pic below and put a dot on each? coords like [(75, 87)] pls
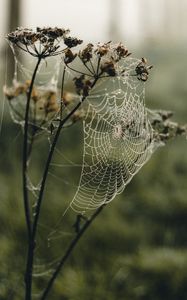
[(137, 247)]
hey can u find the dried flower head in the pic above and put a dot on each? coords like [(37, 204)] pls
[(50, 105), (122, 51), (43, 107), (164, 128), (72, 42), (19, 89), (87, 53), (69, 56), (110, 55), (108, 67), (142, 70), (103, 49), (114, 51), (43, 42)]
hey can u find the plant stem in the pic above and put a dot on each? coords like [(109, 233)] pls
[(28, 274), (33, 133), (69, 251), (62, 93)]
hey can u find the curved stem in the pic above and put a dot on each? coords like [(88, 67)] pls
[(25, 151), (69, 251), (28, 273)]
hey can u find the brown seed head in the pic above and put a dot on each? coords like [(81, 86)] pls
[(109, 68), (69, 56), (87, 53), (102, 49), (142, 70), (72, 42)]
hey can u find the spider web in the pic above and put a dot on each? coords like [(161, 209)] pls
[(118, 139), (46, 82)]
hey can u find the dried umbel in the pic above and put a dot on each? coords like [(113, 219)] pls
[(42, 42), (101, 61)]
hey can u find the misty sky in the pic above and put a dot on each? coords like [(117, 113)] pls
[(87, 18), (91, 19)]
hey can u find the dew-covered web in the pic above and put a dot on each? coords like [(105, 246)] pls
[(46, 91), (118, 139), (48, 80)]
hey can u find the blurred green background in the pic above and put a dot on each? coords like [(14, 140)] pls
[(137, 248)]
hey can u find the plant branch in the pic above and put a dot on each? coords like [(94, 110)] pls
[(33, 133), (25, 151), (62, 93)]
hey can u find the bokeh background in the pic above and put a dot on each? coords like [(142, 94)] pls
[(137, 248)]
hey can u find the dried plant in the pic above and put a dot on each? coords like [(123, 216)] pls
[(106, 67)]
